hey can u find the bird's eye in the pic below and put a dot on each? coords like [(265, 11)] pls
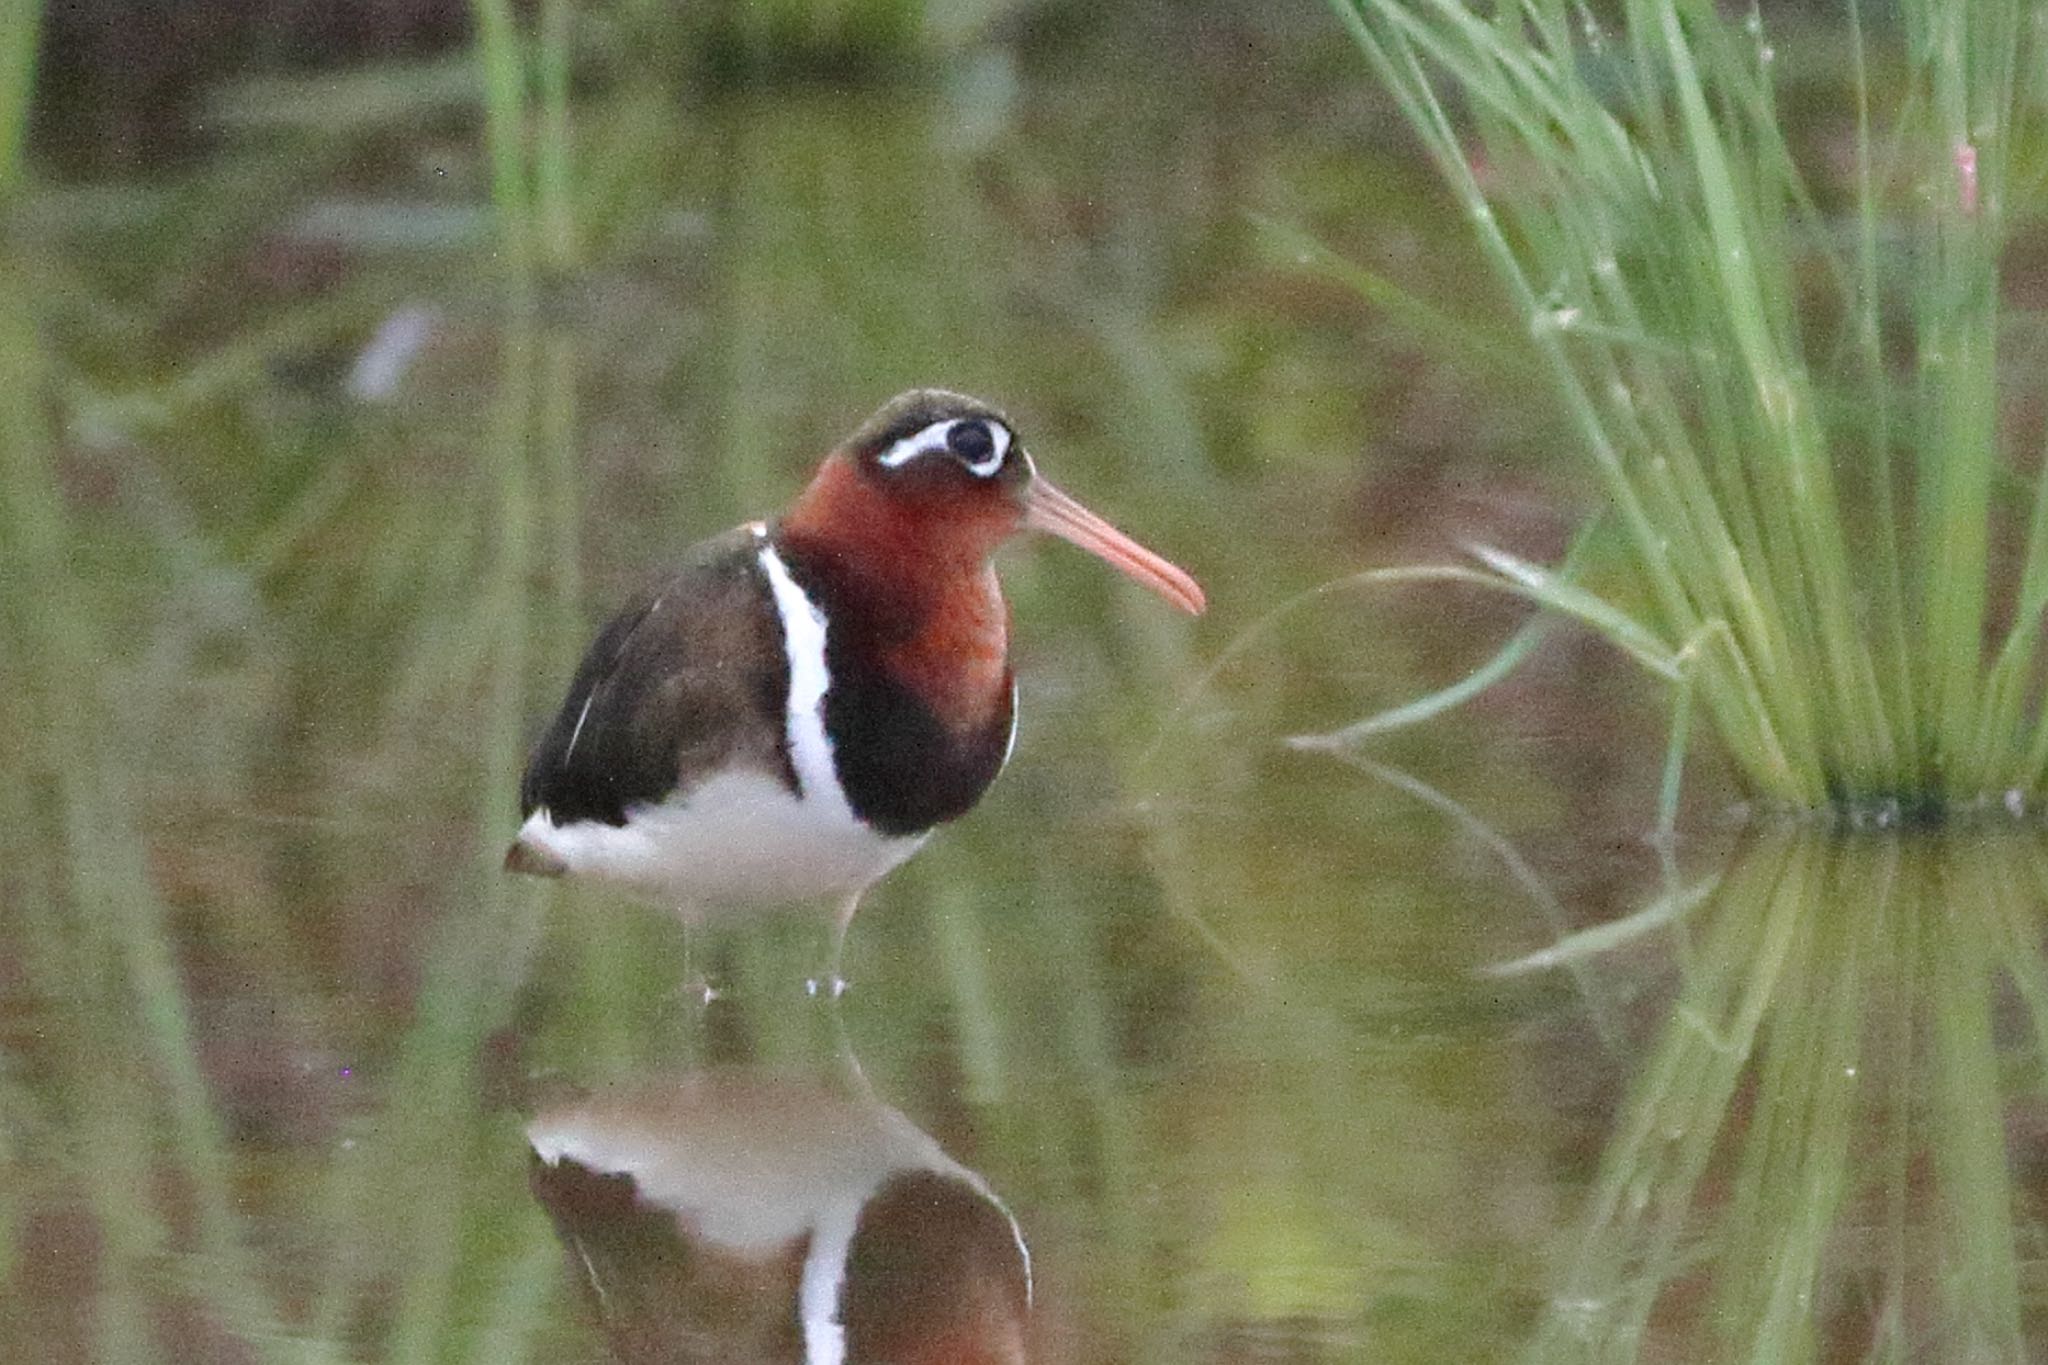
[(980, 444), (971, 441)]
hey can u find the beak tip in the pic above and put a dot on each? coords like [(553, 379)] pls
[(1048, 509)]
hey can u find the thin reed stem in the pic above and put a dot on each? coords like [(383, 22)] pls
[(20, 32)]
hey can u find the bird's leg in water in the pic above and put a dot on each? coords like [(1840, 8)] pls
[(831, 983)]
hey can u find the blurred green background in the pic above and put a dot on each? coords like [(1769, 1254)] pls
[(354, 359)]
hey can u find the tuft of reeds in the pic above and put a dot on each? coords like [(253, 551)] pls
[(1786, 376)]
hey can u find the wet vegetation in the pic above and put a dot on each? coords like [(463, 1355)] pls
[(1780, 348), (344, 382)]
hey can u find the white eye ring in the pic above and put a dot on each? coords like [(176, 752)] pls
[(932, 441)]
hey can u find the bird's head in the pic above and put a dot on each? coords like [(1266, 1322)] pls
[(951, 469)]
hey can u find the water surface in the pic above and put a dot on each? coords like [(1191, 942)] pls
[(1248, 1040)]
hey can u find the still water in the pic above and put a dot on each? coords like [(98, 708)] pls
[(1186, 1045)]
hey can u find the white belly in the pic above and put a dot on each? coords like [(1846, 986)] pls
[(739, 839)]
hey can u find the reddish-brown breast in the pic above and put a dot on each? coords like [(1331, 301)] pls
[(914, 575)]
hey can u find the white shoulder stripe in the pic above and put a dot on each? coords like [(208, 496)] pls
[(577, 733), (803, 642), (824, 1280)]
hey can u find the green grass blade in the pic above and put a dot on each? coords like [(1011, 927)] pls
[(20, 37), (1503, 664)]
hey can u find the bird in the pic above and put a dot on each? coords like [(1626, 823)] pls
[(790, 712), (744, 1215)]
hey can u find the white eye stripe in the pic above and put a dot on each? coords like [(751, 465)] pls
[(932, 441)]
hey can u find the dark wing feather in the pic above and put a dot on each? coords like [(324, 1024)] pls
[(688, 679)]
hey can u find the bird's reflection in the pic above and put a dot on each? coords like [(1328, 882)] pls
[(742, 1215)]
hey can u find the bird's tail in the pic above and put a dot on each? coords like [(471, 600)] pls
[(533, 860)]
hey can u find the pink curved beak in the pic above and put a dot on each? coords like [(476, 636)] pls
[(1048, 509)]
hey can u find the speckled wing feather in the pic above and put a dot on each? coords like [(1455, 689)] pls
[(689, 678)]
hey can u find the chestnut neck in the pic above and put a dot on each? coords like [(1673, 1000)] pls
[(895, 559)]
